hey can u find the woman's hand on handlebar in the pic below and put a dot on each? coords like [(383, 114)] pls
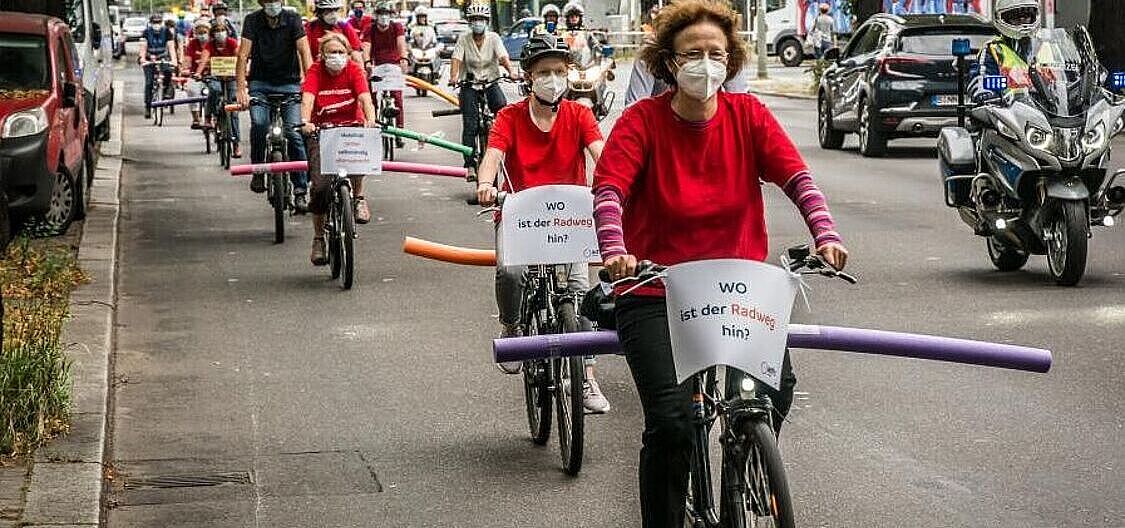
[(371, 123), (243, 97), (834, 254), (621, 266), (308, 128), (486, 194)]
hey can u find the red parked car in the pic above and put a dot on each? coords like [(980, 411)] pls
[(46, 154)]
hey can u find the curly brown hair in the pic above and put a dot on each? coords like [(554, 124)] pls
[(671, 20)]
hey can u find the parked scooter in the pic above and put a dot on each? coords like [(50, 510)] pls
[(424, 62), (1032, 178), (592, 67)]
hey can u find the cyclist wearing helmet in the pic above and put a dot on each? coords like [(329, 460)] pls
[(550, 14), (574, 13), (694, 158), (359, 20), (272, 57), (1017, 21), (422, 34), (328, 20), (222, 45), (157, 43), (478, 55), (541, 140), (193, 52), (219, 13), (386, 44)]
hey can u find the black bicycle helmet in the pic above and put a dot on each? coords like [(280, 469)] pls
[(540, 46)]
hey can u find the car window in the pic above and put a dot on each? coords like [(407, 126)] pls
[(860, 35), (76, 19), (61, 65), (870, 41), (939, 41), (774, 5), (26, 63)]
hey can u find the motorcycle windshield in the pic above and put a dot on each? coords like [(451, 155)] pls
[(581, 50), (1056, 75)]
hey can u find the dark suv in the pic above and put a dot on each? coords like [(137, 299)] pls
[(896, 78)]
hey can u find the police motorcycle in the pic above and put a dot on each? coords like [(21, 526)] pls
[(424, 62), (591, 69), (1032, 178)]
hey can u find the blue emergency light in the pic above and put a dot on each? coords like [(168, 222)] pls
[(995, 83), (962, 47), (1119, 80)]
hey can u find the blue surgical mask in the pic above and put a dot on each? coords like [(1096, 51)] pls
[(479, 26), (272, 8), (358, 13)]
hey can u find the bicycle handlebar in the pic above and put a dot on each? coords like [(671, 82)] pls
[(446, 112), (799, 258)]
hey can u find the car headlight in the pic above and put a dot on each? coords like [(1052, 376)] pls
[(1038, 138), (1094, 139), (25, 123)]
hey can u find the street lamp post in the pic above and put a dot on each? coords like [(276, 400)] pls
[(760, 37)]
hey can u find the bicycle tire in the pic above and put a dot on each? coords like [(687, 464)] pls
[(160, 116), (570, 379), (537, 394), (207, 140), (277, 199), (765, 472), (332, 237), (346, 230)]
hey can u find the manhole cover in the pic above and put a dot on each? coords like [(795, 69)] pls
[(188, 481)]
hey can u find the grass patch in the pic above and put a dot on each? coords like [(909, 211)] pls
[(36, 279)]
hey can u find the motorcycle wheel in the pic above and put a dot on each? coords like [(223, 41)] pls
[(1067, 242), (1005, 258)]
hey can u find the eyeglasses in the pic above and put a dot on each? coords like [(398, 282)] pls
[(715, 55)]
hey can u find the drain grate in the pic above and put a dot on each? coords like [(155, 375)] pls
[(188, 481)]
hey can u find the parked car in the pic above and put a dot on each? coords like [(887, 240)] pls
[(92, 32), (118, 35), (516, 36), (134, 28), (896, 78), (46, 154)]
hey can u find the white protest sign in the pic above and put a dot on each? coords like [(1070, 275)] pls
[(549, 224), (391, 78), (729, 312), (353, 149)]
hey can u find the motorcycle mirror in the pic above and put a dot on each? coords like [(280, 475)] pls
[(607, 51), (1118, 81)]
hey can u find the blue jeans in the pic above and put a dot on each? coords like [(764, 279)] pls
[(150, 79), (218, 93), (260, 124)]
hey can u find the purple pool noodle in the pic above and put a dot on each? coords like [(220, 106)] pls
[(810, 337), (174, 102)]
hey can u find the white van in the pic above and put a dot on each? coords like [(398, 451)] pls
[(92, 31)]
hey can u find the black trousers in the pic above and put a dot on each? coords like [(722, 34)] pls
[(642, 326)]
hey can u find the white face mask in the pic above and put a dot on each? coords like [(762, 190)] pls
[(701, 79), (272, 8), (549, 88), (479, 26), (221, 36), (335, 61), (331, 18), (383, 20), (202, 37)]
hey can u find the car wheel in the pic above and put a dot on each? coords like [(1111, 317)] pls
[(830, 138), (791, 53), (63, 206), (872, 143)]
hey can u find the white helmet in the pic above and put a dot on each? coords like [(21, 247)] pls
[(329, 4), (549, 9), (421, 11), (571, 7), (1016, 19), (477, 10)]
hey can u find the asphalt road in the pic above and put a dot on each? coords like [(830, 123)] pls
[(252, 391)]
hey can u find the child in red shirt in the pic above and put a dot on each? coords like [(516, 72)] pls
[(334, 92), (328, 20), (542, 140), (200, 34)]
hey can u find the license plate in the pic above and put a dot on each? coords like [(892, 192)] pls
[(945, 100)]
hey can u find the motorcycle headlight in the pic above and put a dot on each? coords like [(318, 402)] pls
[(748, 388), (572, 75), (416, 53), (1038, 138), (25, 123), (1094, 139), (1006, 131)]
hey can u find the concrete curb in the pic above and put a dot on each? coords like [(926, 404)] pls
[(65, 487)]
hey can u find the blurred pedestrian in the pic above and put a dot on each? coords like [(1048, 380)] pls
[(823, 34)]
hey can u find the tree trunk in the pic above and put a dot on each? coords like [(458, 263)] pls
[(1106, 20)]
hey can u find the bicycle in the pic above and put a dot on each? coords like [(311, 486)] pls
[(753, 486), (160, 66), (549, 307), (222, 130), (387, 113), (279, 187), (485, 117), (339, 225)]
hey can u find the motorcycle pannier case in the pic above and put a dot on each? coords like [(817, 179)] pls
[(958, 158)]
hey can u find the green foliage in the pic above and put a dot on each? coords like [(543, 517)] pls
[(817, 71)]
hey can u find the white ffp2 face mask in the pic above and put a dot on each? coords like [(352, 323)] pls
[(335, 61), (330, 18), (701, 79), (272, 8), (549, 88)]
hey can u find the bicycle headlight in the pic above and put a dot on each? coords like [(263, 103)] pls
[(1038, 138), (748, 388), (1094, 139), (275, 131), (25, 123)]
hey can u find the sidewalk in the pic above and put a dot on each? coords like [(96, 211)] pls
[(62, 484)]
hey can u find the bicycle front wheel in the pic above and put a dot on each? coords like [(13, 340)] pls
[(346, 233), (570, 378), (537, 393), (207, 140), (277, 199), (770, 504)]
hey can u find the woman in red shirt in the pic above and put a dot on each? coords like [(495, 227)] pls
[(193, 51), (221, 90), (692, 158), (334, 92)]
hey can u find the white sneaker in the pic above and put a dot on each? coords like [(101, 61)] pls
[(510, 367), (593, 399)]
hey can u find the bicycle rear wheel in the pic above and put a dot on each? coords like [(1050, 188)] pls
[(570, 378), (537, 392), (769, 501), (207, 139), (346, 233), (388, 148)]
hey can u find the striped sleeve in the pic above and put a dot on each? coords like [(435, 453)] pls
[(814, 208), (607, 219)]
